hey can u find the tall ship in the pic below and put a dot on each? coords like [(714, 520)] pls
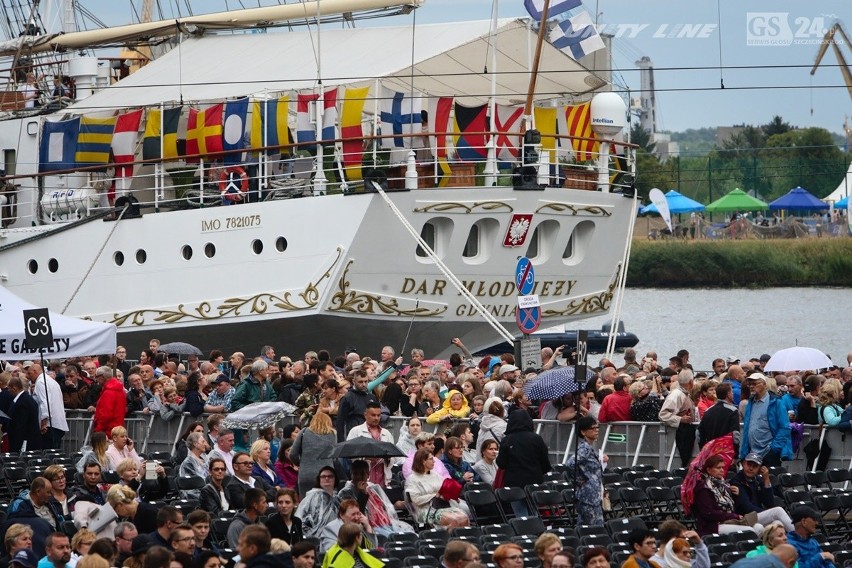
[(190, 199)]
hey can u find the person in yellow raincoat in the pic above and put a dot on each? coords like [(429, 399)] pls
[(455, 406)]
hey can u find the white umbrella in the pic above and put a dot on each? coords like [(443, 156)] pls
[(798, 359)]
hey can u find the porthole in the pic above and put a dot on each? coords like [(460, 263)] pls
[(32, 265), (257, 246), (209, 250), (53, 265), (186, 252), (141, 256), (118, 258), (281, 244)]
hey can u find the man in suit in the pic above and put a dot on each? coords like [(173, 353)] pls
[(24, 424)]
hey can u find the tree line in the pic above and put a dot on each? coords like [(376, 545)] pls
[(769, 160)]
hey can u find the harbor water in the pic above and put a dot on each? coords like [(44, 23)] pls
[(738, 322)]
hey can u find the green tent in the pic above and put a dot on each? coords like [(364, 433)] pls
[(736, 200)]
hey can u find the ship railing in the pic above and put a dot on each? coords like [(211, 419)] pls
[(282, 172), (626, 444)]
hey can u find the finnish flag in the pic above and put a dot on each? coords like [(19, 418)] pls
[(535, 7), (577, 36)]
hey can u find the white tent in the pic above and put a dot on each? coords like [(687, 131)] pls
[(71, 336), (844, 189), (449, 60)]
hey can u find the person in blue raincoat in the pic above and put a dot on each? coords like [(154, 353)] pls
[(589, 471), (766, 425), (255, 388)]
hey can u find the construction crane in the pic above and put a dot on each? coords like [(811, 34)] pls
[(829, 39)]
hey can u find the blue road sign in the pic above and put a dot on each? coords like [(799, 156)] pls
[(524, 276), (528, 319)]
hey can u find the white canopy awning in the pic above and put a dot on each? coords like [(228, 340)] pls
[(843, 189), (449, 60), (72, 337)]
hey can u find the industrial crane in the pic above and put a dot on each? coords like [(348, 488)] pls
[(841, 60)]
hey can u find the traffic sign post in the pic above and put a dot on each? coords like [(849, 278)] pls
[(528, 319), (524, 276), (530, 353), (528, 314)]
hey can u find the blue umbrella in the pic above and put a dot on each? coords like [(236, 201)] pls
[(842, 203), (678, 203), (799, 199), (555, 383)]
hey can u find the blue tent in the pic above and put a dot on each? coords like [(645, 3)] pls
[(842, 203), (678, 203), (799, 199)]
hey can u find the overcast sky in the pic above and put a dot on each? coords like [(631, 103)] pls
[(760, 80)]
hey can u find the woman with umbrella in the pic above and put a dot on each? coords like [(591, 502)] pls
[(589, 472), (317, 508)]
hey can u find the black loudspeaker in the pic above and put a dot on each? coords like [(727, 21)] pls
[(374, 175), (132, 205), (526, 178)]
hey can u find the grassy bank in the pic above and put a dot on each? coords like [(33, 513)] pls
[(747, 263)]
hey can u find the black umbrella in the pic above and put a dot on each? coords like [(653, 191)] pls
[(363, 447), (180, 348)]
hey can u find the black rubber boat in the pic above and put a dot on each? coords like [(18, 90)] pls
[(597, 340)]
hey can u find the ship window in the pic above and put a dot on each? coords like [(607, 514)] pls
[(118, 258), (428, 235), (578, 243), (437, 233), (280, 244), (53, 265), (257, 246), (141, 256), (480, 241), (10, 162), (32, 266), (186, 252), (471, 247), (540, 245), (209, 250)]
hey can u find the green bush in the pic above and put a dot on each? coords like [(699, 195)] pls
[(747, 263)]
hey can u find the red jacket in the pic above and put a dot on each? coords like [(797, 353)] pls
[(615, 407), (111, 407)]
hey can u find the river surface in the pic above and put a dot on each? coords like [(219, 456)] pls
[(740, 323)]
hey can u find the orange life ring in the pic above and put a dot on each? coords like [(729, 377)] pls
[(225, 182)]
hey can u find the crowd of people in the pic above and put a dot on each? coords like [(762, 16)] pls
[(279, 499)]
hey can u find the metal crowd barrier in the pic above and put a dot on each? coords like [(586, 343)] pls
[(626, 443)]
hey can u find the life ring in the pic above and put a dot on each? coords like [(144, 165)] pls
[(227, 187)]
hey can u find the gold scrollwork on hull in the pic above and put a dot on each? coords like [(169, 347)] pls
[(357, 302), (590, 304), (257, 304), (449, 207), (595, 210)]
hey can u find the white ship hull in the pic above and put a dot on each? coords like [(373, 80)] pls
[(349, 273), (327, 271)]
